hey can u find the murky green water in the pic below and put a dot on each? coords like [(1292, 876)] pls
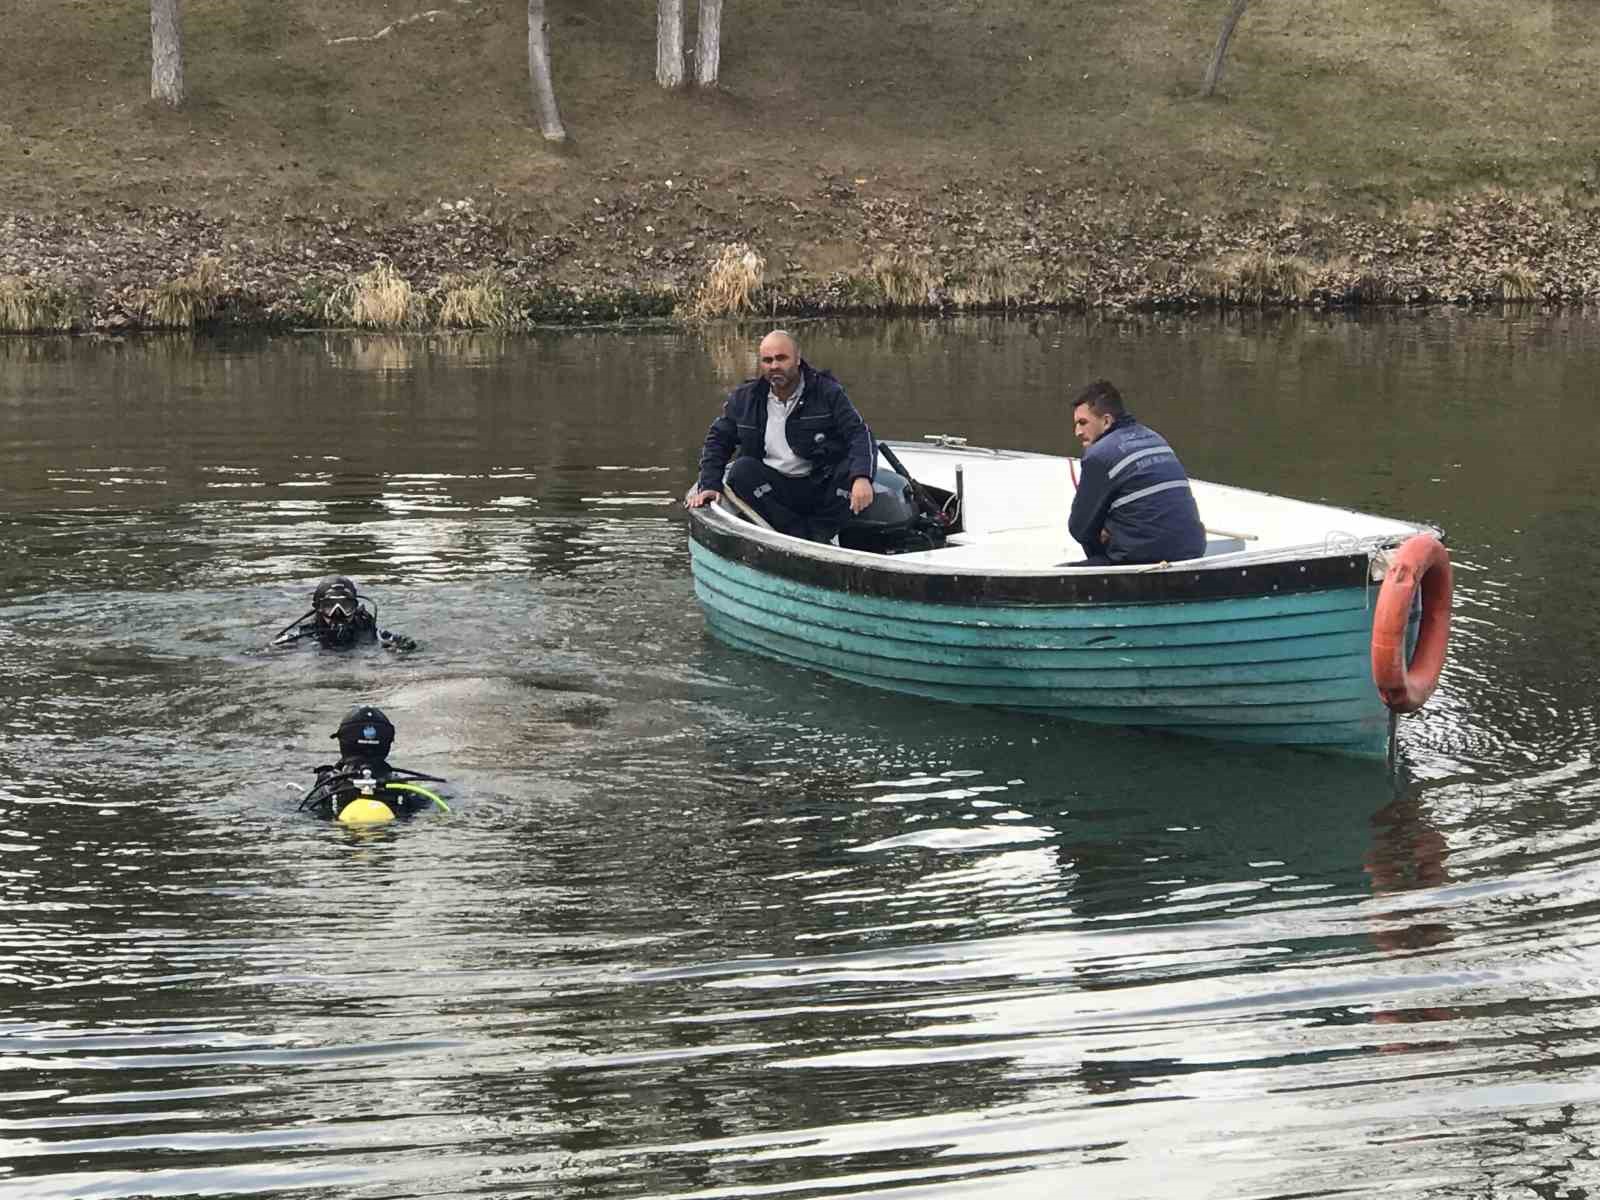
[(702, 926)]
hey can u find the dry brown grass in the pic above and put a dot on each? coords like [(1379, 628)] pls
[(1361, 111), (1255, 278), (730, 286), (1066, 280), (38, 306), (1215, 281), (478, 301), (903, 281), (1517, 284), (184, 302), (1265, 277), (1372, 102), (380, 299), (995, 282)]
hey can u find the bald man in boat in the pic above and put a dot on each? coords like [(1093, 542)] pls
[(805, 461), (1133, 503)]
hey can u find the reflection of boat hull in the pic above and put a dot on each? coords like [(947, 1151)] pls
[(1266, 647)]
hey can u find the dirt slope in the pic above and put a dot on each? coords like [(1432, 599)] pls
[(842, 130)]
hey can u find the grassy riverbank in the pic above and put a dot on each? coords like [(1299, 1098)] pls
[(969, 153)]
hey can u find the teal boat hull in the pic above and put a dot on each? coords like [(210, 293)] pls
[(1280, 654)]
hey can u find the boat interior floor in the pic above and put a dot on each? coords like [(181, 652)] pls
[(1013, 509)]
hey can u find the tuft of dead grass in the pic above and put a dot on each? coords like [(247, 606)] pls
[(1255, 278), (1067, 281), (995, 282), (731, 283), (477, 301), (1215, 281), (381, 298), (903, 281), (39, 306), (184, 302), (1517, 284), (1264, 277)]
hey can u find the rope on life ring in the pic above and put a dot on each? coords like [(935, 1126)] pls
[(1420, 562)]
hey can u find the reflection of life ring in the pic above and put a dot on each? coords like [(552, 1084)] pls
[(1421, 561)]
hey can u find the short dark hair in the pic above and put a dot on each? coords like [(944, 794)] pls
[(1102, 398)]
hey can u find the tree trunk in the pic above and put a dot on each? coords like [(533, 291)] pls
[(166, 53), (708, 54), (544, 92), (669, 43), (1214, 71)]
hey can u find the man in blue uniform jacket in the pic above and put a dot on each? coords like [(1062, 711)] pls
[(1133, 503), (805, 455)]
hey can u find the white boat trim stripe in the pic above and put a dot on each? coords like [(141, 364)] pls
[(1149, 491)]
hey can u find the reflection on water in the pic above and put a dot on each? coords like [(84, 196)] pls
[(698, 924)]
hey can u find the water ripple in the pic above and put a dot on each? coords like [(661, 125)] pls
[(699, 925)]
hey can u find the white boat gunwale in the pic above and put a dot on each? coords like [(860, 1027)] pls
[(957, 575), (887, 575)]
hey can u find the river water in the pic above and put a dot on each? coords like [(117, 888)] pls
[(699, 925)]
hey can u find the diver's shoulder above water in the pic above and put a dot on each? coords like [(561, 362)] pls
[(339, 617)]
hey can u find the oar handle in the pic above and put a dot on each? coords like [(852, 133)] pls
[(924, 501)]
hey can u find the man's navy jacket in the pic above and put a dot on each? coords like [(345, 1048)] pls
[(824, 428), (1132, 485)]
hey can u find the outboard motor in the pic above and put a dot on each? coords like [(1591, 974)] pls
[(891, 524)]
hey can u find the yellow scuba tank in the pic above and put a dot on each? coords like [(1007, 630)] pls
[(366, 808)]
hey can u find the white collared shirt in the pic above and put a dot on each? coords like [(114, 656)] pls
[(780, 455)]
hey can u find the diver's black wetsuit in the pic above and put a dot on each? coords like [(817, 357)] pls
[(363, 771), (363, 627), (337, 785)]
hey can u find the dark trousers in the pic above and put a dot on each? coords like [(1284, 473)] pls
[(815, 506)]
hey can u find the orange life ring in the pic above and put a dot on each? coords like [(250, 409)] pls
[(1421, 561)]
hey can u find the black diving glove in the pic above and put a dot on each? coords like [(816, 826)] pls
[(395, 641)]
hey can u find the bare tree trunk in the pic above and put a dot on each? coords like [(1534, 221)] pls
[(544, 92), (166, 52), (669, 43), (1214, 71), (708, 54)]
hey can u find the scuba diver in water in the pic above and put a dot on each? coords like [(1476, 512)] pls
[(339, 618), (362, 788)]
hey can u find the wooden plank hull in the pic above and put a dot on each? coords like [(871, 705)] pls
[(1283, 658)]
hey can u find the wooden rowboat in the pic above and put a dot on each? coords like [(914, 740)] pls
[(1268, 638)]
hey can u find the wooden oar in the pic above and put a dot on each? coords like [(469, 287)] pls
[(734, 498)]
